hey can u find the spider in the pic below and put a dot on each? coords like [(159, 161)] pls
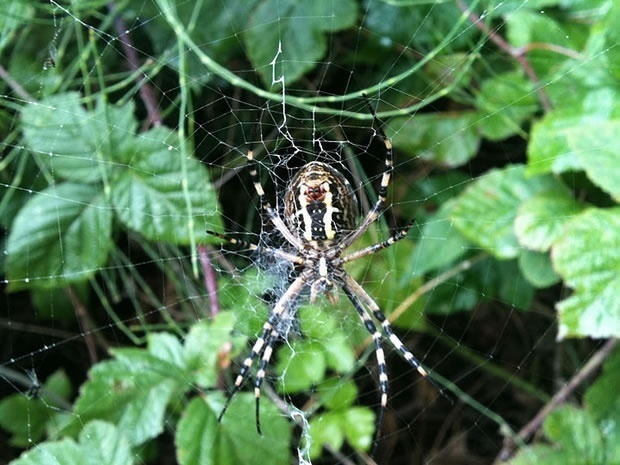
[(319, 224)]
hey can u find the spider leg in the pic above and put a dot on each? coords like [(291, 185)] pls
[(379, 246), (376, 337), (260, 374), (266, 206), (359, 292), (241, 244), (379, 205), (264, 344)]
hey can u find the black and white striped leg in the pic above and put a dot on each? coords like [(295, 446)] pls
[(379, 205), (377, 247), (260, 374), (267, 208), (387, 328), (241, 244), (376, 337), (264, 346)]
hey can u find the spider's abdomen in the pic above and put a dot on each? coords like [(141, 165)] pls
[(320, 204)]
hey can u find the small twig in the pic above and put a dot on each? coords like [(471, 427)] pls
[(518, 53), (85, 323), (210, 280), (146, 90), (586, 371)]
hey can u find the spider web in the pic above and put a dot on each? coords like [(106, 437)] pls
[(126, 132)]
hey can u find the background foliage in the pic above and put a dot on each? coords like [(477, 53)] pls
[(116, 121)]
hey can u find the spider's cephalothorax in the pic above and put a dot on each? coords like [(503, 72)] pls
[(320, 211), (320, 205)]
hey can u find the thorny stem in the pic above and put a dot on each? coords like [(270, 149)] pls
[(518, 53), (146, 91), (210, 280), (528, 430)]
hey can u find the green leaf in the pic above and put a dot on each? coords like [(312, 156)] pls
[(74, 143), (220, 40), (100, 443), (149, 195), (203, 347), (486, 211), (326, 429), (301, 364), (542, 218), (300, 29), (319, 324), (602, 398), (337, 394), (537, 269), (62, 235), (596, 147), (526, 26), (419, 25), (505, 101), (359, 427), (567, 137), (134, 389), (577, 433), (447, 139), (587, 256), (201, 440), (440, 243), (356, 425)]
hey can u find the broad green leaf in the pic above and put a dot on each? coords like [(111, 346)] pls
[(587, 256), (602, 398), (301, 364), (100, 443), (300, 29), (359, 427), (486, 211), (418, 25), (446, 139), (149, 195), (62, 235), (134, 389), (536, 267), (201, 440), (219, 39), (567, 137), (578, 435), (439, 245), (526, 26), (77, 144), (505, 102), (337, 394), (204, 345), (339, 353), (326, 429), (356, 425), (542, 218), (596, 146)]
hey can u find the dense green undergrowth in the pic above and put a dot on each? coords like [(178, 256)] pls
[(86, 172)]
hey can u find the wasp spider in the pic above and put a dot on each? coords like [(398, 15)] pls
[(320, 222)]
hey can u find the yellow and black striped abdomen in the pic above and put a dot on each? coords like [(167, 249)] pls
[(320, 205)]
